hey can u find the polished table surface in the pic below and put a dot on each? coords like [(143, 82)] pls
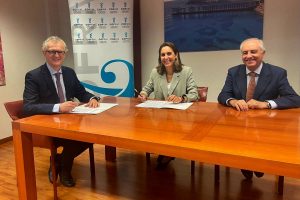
[(260, 140)]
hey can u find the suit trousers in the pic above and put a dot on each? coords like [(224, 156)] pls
[(71, 149)]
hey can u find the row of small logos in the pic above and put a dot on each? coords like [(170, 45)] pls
[(91, 38), (73, 12), (101, 26), (102, 20), (100, 8), (92, 23)]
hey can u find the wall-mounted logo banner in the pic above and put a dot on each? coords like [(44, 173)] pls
[(103, 45), (2, 74)]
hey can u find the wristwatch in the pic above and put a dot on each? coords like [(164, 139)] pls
[(96, 98), (184, 98), (269, 105)]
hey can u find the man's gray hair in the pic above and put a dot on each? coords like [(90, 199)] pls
[(260, 42), (53, 39)]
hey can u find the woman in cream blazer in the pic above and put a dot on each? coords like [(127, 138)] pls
[(170, 81)]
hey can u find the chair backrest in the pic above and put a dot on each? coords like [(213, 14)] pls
[(14, 109), (202, 91)]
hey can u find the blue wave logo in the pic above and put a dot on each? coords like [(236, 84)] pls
[(110, 77)]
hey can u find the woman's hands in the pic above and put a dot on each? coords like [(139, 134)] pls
[(175, 99)]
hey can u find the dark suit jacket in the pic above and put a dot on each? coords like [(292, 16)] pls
[(40, 93), (272, 85)]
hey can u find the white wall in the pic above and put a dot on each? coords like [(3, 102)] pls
[(281, 37), (24, 25), (22, 31)]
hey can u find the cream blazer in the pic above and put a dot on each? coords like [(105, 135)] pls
[(182, 83)]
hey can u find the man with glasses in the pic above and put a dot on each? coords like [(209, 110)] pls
[(49, 89), (257, 85)]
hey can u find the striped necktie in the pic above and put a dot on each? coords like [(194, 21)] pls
[(59, 88)]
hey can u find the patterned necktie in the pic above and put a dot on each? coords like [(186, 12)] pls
[(59, 88), (251, 86)]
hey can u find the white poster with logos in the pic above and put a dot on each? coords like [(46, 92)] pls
[(103, 45)]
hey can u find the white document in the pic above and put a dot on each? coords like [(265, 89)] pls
[(82, 109), (164, 104)]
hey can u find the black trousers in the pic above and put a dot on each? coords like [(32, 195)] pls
[(71, 149)]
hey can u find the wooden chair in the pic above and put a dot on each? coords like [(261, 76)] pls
[(15, 111), (202, 92)]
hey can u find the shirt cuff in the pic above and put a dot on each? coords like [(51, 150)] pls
[(273, 104), (144, 93), (227, 101), (55, 108)]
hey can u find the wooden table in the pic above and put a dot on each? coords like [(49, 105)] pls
[(260, 140)]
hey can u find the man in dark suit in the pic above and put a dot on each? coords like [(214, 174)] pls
[(49, 89), (269, 89)]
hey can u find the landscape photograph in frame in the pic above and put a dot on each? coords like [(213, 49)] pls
[(212, 25)]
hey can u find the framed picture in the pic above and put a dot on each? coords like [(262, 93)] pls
[(2, 74), (212, 25)]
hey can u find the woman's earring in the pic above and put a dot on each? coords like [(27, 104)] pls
[(176, 62)]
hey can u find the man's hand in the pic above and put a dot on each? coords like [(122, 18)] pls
[(93, 103), (240, 105), (254, 104), (67, 106)]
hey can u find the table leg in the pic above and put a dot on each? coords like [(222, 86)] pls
[(110, 153), (217, 174), (280, 184), (24, 164)]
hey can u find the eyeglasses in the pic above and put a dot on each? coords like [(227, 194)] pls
[(53, 52)]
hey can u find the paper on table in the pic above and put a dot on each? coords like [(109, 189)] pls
[(164, 104), (86, 110)]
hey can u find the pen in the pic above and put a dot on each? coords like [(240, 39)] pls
[(136, 91)]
